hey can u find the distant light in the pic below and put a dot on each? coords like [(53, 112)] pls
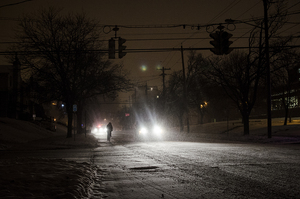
[(62, 105), (144, 68)]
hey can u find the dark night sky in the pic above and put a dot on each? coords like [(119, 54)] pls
[(150, 13)]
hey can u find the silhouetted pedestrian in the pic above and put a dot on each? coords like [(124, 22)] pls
[(109, 129)]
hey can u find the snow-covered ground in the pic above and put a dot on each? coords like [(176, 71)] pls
[(42, 177), (234, 131), (58, 178), (45, 178)]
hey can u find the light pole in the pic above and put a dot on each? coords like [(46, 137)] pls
[(267, 64), (268, 68), (185, 92)]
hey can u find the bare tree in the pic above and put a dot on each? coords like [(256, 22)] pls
[(61, 54), (239, 78), (197, 84), (285, 79), (241, 73), (175, 105)]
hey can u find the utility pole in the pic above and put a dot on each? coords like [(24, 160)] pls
[(146, 90), (163, 69), (269, 102), (185, 92)]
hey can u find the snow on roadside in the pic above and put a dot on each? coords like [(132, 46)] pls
[(40, 177), (18, 133), (46, 178), (233, 131)]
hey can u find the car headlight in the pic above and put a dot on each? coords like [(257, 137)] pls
[(157, 129), (95, 130), (143, 130)]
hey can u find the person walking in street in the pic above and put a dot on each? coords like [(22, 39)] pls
[(109, 128)]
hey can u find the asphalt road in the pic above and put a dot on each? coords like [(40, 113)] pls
[(131, 168), (170, 169)]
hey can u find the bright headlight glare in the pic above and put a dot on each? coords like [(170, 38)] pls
[(157, 129), (94, 130), (143, 130)]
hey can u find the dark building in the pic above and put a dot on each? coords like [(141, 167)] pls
[(288, 92), (10, 91)]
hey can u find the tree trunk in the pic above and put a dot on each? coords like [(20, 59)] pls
[(180, 118), (69, 107), (286, 114), (79, 119), (200, 115), (70, 121), (246, 123)]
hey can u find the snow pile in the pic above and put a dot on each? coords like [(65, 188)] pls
[(45, 178), (40, 177), (22, 134), (234, 131)]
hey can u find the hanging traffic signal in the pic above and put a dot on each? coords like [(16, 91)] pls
[(111, 48), (216, 43), (221, 42), (225, 43), (122, 47)]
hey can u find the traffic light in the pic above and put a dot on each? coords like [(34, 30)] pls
[(111, 48), (221, 42), (122, 47), (226, 43), (216, 43)]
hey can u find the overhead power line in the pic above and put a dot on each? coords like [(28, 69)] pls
[(170, 39), (13, 4), (140, 50)]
